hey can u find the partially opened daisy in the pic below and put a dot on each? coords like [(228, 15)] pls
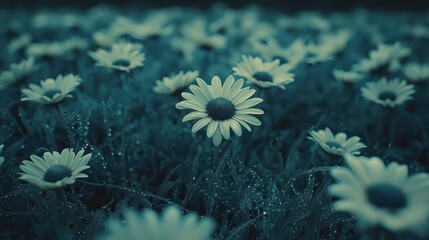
[(337, 144), (17, 72), (221, 107), (388, 93), (415, 72), (386, 56), (347, 76), (51, 90), (170, 224), (55, 170), (123, 56), (264, 74), (381, 195), (176, 83)]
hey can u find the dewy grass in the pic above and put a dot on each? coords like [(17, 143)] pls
[(162, 102)]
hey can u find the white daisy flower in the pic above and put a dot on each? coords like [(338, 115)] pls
[(347, 76), (51, 90), (388, 93), (221, 107), (154, 27), (48, 49), (305, 21), (317, 53), (415, 72), (76, 44), (385, 56), (1, 154), (338, 144), (123, 56), (380, 195), (264, 74), (328, 45), (55, 170), (417, 31), (196, 32), (106, 38), (176, 83), (21, 42), (17, 72), (293, 55), (171, 224)]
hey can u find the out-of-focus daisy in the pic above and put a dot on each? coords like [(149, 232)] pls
[(338, 144), (155, 26), (221, 107), (17, 72), (327, 46), (171, 224), (264, 74), (196, 32), (293, 55), (415, 72), (19, 43), (1, 154), (381, 195), (305, 21), (385, 56), (51, 19), (51, 90), (106, 38), (51, 49), (347, 76), (123, 56), (417, 31), (388, 93), (76, 44), (55, 170), (176, 83), (317, 53)]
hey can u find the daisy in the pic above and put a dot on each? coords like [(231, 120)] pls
[(154, 27), (347, 76), (171, 224), (48, 49), (328, 45), (1, 156), (417, 31), (221, 107), (106, 38), (123, 56), (388, 93), (293, 55), (51, 90), (338, 144), (416, 72), (385, 56), (381, 195), (197, 34), (264, 74), (55, 170), (19, 43), (317, 53), (176, 83), (17, 72), (76, 44)]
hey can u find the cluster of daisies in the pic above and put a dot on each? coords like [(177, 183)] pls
[(375, 192)]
